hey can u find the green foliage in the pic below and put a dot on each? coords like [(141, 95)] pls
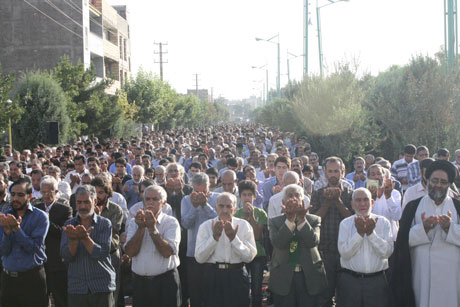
[(8, 110), (43, 100)]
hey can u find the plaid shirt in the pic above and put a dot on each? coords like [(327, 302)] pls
[(331, 221)]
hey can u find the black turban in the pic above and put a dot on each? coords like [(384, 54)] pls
[(442, 165)]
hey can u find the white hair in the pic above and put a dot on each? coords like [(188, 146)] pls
[(368, 193), (49, 180), (229, 195), (292, 187), (140, 168), (159, 189)]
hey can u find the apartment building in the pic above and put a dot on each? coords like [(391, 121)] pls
[(34, 34)]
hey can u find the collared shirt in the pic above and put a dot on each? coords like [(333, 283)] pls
[(114, 214), (90, 272), (399, 171), (36, 194), (64, 189), (140, 205), (391, 209), (261, 218), (368, 254), (193, 217), (331, 221), (25, 249), (241, 249), (276, 201), (267, 190), (358, 183), (414, 175), (149, 261)]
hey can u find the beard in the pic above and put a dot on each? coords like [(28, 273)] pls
[(102, 202), (437, 194), (17, 206), (86, 213)]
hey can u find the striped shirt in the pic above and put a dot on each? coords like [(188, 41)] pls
[(90, 273), (399, 171), (413, 173)]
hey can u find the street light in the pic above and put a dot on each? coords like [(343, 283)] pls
[(266, 79), (318, 23), (278, 85), (293, 56), (9, 102)]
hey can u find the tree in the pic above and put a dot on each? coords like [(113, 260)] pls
[(9, 110), (43, 100)]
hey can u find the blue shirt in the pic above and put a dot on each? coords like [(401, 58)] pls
[(113, 169), (192, 218), (131, 196), (25, 249), (90, 272), (267, 191), (359, 183)]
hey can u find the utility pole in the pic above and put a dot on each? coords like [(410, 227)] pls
[(161, 58), (196, 84), (450, 35)]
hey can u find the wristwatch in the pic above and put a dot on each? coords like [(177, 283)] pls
[(155, 232)]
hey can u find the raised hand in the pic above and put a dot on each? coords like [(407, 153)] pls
[(444, 221), (289, 208), (217, 228), (13, 223), (97, 210), (140, 219), (276, 189), (82, 232), (429, 223), (388, 186), (360, 225), (230, 231), (195, 200), (301, 212), (248, 210), (150, 220), (370, 225), (70, 232)]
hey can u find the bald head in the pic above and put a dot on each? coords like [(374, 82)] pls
[(229, 181)]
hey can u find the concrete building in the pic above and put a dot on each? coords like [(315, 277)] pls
[(34, 34)]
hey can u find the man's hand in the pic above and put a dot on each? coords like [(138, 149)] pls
[(13, 223), (70, 232), (150, 220), (82, 232), (356, 177), (276, 189), (362, 176), (388, 186), (75, 178), (360, 225), (140, 219), (429, 223), (370, 225), (194, 198), (289, 208), (444, 221), (217, 228), (97, 210), (229, 231), (248, 210), (301, 212), (4, 223)]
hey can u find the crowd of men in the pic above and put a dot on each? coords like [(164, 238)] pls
[(202, 217)]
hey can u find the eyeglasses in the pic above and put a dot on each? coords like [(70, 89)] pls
[(436, 181)]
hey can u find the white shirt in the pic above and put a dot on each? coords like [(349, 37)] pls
[(64, 189), (36, 194), (276, 201), (167, 209), (149, 261), (368, 254), (435, 257), (241, 249), (391, 209), (121, 201), (69, 181)]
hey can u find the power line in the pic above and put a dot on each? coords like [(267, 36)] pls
[(63, 13), (37, 9)]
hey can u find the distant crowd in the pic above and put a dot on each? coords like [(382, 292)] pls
[(206, 217)]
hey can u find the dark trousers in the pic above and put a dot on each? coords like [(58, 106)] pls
[(225, 287), (362, 292), (195, 273), (27, 289), (331, 262), (256, 267), (103, 299), (57, 286), (298, 295), (162, 290)]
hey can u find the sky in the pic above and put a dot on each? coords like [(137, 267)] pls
[(216, 39)]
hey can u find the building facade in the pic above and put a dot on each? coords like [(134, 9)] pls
[(35, 34)]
